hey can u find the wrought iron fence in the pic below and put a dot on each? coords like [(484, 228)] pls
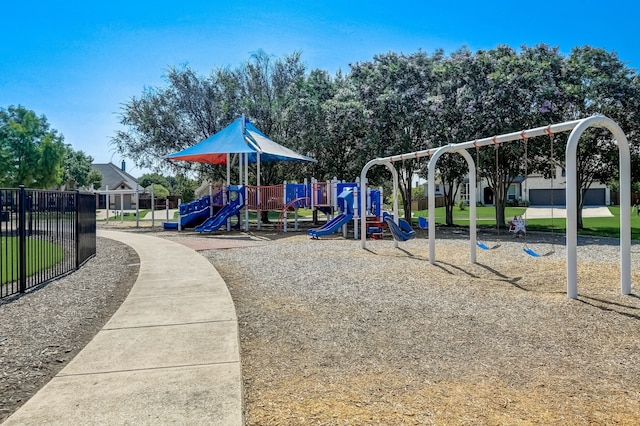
[(43, 236)]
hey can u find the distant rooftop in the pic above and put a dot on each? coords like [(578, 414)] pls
[(115, 177)]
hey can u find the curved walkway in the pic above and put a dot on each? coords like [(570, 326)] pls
[(169, 355)]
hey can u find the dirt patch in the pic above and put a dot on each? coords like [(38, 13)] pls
[(333, 334)]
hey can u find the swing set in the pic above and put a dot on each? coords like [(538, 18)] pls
[(528, 250), (576, 127)]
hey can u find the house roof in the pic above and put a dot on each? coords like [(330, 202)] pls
[(114, 177)]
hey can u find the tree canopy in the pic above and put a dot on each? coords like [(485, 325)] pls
[(31, 153), (34, 155), (393, 104), (77, 171)]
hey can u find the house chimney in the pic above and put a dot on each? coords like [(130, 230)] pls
[(124, 166)]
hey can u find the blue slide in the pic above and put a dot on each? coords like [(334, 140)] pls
[(220, 218), (332, 226), (345, 202), (192, 218)]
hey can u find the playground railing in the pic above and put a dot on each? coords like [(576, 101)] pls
[(265, 198), (321, 193)]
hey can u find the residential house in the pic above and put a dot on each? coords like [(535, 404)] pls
[(116, 178), (538, 191)]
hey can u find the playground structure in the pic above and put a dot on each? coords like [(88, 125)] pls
[(576, 127), (225, 202)]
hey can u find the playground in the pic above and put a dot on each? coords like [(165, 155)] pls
[(407, 331), (330, 332)]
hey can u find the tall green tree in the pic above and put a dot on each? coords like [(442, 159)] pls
[(31, 153), (331, 126), (393, 89), (453, 119), (269, 88), (164, 120), (185, 188), (77, 171), (148, 178), (514, 87), (598, 82)]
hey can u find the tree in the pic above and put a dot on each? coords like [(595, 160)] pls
[(192, 107), (185, 188), (331, 126), (393, 89), (269, 88), (513, 90), (31, 153), (168, 119), (598, 82), (159, 191), (148, 178), (452, 107), (77, 171)]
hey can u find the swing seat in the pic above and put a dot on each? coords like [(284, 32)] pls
[(482, 245), (401, 232), (423, 223), (530, 252)]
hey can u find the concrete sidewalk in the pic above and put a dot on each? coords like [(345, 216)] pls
[(561, 212), (169, 355)]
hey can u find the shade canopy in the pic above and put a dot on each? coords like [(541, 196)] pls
[(239, 137)]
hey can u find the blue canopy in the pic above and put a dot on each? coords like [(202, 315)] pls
[(239, 137)]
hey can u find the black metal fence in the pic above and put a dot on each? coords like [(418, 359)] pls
[(43, 235)]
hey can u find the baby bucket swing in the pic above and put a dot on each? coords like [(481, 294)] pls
[(531, 252), (496, 145)]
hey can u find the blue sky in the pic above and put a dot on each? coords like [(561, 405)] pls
[(78, 62)]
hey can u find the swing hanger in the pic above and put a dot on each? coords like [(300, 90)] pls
[(496, 143)]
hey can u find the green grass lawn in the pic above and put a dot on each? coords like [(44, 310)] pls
[(274, 215), (598, 226), (40, 255), (131, 217)]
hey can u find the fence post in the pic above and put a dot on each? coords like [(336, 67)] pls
[(22, 238), (77, 225)]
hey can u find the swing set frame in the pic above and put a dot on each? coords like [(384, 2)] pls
[(576, 127)]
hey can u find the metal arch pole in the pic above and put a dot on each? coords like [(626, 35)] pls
[(625, 206), (363, 202), (363, 198), (572, 202), (473, 239), (431, 189), (396, 217), (432, 200)]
